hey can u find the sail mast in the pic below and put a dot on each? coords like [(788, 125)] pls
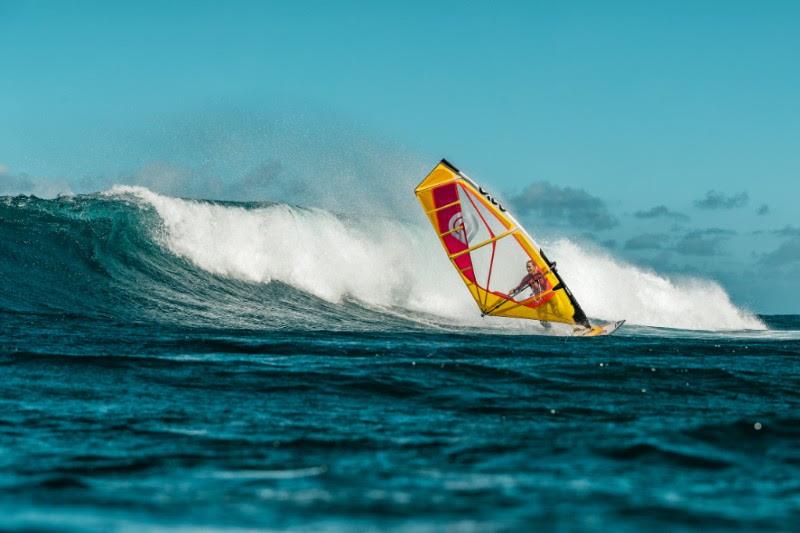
[(490, 250)]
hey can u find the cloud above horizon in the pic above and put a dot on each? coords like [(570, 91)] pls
[(646, 241), (788, 252), (787, 231), (564, 206), (660, 211), (703, 242), (718, 200)]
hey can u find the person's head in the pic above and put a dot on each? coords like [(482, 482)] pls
[(531, 266)]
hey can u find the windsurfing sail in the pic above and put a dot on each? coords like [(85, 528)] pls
[(503, 268)]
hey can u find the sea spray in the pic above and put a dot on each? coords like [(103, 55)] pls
[(380, 261), (609, 288), (377, 261)]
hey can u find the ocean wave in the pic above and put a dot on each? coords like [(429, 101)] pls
[(131, 254)]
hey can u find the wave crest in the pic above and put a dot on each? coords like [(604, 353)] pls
[(384, 262), (133, 255)]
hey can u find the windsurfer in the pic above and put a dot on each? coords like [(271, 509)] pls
[(533, 279)]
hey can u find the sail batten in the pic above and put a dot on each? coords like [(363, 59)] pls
[(504, 270), (484, 243), (445, 206)]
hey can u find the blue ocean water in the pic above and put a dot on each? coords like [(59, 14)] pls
[(145, 387)]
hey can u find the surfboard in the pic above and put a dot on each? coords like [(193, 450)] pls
[(505, 271), (599, 331)]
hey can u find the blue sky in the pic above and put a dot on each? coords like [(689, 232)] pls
[(621, 107)]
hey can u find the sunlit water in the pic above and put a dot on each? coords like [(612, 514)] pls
[(150, 381)]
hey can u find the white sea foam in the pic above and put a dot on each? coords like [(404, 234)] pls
[(609, 288), (379, 261), (389, 263)]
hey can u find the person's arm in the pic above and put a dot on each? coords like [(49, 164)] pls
[(525, 281)]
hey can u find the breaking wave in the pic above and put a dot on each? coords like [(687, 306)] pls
[(132, 254)]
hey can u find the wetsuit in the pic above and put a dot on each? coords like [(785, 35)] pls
[(535, 281)]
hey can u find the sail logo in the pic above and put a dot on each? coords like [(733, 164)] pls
[(463, 227), (491, 199)]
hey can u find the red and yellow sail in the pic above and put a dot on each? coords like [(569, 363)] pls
[(489, 249)]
